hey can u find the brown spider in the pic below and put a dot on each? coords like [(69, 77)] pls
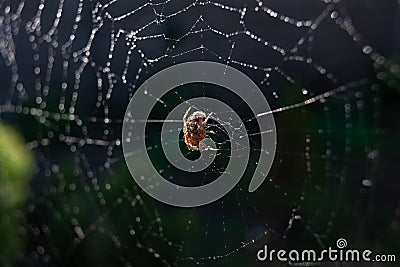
[(194, 128)]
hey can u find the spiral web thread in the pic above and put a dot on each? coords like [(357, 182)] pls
[(63, 53)]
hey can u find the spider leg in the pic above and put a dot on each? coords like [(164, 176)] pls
[(210, 132), (207, 148), (186, 113), (206, 120), (192, 147)]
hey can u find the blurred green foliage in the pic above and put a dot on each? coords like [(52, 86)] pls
[(16, 167)]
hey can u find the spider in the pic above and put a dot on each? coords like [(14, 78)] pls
[(194, 128)]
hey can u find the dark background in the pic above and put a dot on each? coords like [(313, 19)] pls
[(65, 88)]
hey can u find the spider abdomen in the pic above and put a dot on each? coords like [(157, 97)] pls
[(194, 129)]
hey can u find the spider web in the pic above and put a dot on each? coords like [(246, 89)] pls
[(68, 70)]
